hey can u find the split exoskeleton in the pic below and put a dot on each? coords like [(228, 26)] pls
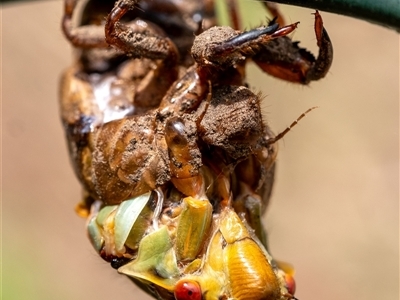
[(176, 161)]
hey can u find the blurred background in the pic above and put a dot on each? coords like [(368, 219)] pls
[(335, 208)]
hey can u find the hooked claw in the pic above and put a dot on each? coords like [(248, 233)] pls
[(284, 59)]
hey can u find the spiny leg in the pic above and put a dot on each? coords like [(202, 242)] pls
[(325, 55), (228, 48), (87, 36), (294, 123), (284, 59), (136, 40), (184, 155), (247, 42)]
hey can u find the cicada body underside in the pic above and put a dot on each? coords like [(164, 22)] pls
[(170, 145)]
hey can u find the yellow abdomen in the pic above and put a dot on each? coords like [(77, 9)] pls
[(250, 274)]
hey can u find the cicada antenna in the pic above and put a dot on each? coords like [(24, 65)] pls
[(273, 140)]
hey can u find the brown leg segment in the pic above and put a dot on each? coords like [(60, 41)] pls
[(325, 55), (284, 59), (135, 40), (228, 47), (87, 36)]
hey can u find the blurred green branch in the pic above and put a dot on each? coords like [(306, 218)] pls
[(383, 12)]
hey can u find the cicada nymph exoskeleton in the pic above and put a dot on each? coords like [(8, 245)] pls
[(176, 161)]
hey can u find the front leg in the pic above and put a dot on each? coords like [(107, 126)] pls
[(136, 40), (142, 39), (85, 36), (219, 48), (325, 55), (284, 59)]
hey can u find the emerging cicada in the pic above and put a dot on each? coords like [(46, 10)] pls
[(176, 161)]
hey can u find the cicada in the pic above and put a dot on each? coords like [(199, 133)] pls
[(174, 156)]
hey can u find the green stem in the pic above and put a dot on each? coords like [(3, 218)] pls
[(383, 12)]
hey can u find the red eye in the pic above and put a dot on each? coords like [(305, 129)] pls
[(187, 290), (290, 284)]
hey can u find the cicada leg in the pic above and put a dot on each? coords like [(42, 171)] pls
[(138, 43), (228, 47), (185, 156), (142, 39), (87, 36), (284, 59), (181, 139)]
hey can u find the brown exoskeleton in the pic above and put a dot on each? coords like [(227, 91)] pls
[(91, 98), (106, 84), (157, 102)]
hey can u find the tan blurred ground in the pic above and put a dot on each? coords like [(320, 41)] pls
[(335, 209)]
